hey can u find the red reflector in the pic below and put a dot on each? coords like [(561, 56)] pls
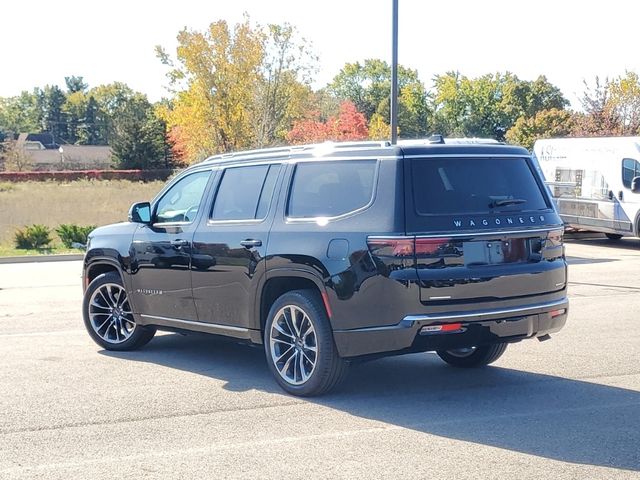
[(451, 327), (446, 328), (325, 300), (556, 313)]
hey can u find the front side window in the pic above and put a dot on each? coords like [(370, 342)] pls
[(182, 201), (245, 193), (630, 169), (330, 189)]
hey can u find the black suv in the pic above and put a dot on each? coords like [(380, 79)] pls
[(334, 252)]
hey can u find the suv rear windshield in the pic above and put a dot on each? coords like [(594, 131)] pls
[(459, 186)]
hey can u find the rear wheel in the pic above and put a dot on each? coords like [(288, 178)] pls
[(299, 345), (613, 236), (108, 317), (473, 356)]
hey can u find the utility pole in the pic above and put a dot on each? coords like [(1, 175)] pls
[(394, 74)]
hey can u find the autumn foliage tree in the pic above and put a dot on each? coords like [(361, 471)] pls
[(348, 125), (235, 88), (611, 107)]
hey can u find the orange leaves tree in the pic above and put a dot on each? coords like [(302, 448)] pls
[(348, 125)]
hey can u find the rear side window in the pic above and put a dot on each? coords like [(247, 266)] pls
[(245, 193), (330, 189), (454, 186)]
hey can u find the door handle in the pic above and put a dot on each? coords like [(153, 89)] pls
[(620, 195), (179, 243), (250, 243)]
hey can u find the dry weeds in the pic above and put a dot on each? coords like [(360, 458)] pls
[(84, 202)]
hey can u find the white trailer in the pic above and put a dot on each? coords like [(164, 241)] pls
[(595, 182)]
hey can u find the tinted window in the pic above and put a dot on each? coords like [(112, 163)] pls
[(630, 169), (329, 189), (245, 193), (181, 202), (464, 185)]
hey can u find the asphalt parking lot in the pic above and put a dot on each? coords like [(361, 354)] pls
[(198, 407)]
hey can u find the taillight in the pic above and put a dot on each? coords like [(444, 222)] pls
[(405, 246), (553, 245), (554, 238), (391, 247)]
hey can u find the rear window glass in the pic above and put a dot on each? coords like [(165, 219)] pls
[(449, 186), (329, 189)]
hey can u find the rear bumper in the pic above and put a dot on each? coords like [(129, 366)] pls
[(480, 327)]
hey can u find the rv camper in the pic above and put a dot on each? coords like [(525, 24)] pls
[(595, 182)]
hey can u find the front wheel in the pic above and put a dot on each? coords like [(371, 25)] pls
[(473, 356), (299, 345), (613, 236), (108, 316)]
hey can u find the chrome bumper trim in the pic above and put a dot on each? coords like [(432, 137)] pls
[(409, 320)]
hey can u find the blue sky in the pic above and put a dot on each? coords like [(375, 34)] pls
[(569, 41)]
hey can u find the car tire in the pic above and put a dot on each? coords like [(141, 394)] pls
[(299, 346), (108, 317), (473, 356), (613, 236)]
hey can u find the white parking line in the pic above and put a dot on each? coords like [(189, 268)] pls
[(43, 334)]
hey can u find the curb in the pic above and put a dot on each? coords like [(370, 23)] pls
[(42, 258)]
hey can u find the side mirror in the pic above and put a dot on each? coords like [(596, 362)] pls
[(635, 185), (140, 213)]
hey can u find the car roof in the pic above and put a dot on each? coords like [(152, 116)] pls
[(371, 149)]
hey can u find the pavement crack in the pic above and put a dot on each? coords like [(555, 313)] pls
[(588, 284), (144, 418)]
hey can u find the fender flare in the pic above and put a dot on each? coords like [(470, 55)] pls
[(284, 272)]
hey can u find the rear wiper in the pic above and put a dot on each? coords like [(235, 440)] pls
[(506, 201)]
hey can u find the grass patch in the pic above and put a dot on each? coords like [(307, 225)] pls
[(82, 202), (9, 251)]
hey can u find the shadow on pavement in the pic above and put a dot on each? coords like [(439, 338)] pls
[(585, 260), (551, 417)]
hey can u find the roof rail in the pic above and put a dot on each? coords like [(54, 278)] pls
[(329, 145), (439, 139)]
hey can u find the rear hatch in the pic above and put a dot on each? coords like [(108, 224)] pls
[(483, 229)]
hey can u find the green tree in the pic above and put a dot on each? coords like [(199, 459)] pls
[(368, 86), (20, 114), (75, 84), (89, 130), (138, 139), (54, 118), (112, 101), (74, 110), (489, 105), (553, 123)]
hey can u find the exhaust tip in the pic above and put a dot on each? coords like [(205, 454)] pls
[(544, 338)]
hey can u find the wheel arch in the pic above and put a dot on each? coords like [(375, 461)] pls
[(281, 282), (99, 266)]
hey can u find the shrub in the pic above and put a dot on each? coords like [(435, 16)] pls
[(71, 233), (33, 237), (6, 187)]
